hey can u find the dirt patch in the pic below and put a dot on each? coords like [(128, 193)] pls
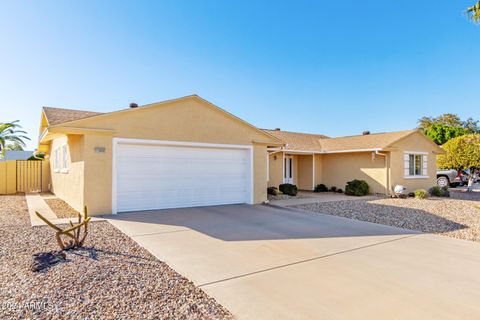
[(111, 278), (61, 208)]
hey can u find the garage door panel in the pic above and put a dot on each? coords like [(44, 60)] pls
[(156, 176)]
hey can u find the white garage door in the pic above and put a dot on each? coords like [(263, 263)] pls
[(158, 176)]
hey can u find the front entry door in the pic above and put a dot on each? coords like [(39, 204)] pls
[(288, 170)]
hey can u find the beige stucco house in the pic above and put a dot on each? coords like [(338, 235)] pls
[(383, 160), (177, 153), (188, 152)]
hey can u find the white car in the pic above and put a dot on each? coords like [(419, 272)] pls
[(451, 177)]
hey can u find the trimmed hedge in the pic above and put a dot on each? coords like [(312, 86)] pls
[(321, 188), (289, 189), (357, 188), (439, 192)]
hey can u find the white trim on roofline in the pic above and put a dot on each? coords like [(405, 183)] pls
[(327, 152), (182, 143)]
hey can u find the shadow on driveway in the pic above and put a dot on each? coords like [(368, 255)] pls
[(252, 222)]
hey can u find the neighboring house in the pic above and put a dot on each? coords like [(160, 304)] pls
[(16, 155), (177, 153), (383, 160), (188, 152)]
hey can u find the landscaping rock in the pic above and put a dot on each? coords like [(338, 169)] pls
[(111, 278), (446, 216), (45, 260)]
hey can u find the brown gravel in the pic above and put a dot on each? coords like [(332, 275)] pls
[(281, 196), (61, 208), (451, 217), (112, 278)]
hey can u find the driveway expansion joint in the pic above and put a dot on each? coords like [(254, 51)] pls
[(155, 233), (306, 260)]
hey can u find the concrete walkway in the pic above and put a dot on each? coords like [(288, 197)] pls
[(35, 202), (263, 262)]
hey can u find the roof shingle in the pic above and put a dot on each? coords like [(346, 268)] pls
[(322, 143), (58, 115)]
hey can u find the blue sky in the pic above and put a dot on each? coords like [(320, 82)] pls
[(315, 66)]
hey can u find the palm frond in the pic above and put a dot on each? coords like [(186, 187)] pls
[(10, 132), (473, 12)]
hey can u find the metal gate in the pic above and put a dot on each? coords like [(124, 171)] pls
[(29, 176)]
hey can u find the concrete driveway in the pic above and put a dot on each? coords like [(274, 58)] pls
[(263, 262)]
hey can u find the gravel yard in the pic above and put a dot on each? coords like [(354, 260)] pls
[(453, 217), (281, 196), (112, 278), (61, 208)]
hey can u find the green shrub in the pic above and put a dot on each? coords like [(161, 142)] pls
[(289, 189), (421, 194), (272, 190), (436, 191), (333, 188), (339, 191), (357, 188), (439, 192), (321, 188)]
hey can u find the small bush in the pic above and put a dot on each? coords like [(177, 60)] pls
[(357, 188), (321, 188), (272, 190), (289, 189), (439, 192), (339, 191), (446, 192), (411, 194), (333, 188), (421, 194)]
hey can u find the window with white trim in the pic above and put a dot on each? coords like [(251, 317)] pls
[(56, 160), (415, 164), (64, 166)]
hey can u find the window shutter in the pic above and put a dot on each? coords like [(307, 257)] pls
[(425, 165), (406, 165)]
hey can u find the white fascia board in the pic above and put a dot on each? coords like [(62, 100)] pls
[(181, 143)]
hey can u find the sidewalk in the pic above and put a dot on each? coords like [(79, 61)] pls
[(35, 202)]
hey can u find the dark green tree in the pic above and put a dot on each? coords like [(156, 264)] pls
[(447, 126)]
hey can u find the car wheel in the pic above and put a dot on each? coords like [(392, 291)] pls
[(443, 182)]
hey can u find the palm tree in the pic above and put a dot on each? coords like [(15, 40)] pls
[(9, 132), (474, 12)]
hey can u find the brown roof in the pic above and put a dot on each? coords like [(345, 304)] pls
[(368, 141), (59, 115), (322, 143), (297, 140)]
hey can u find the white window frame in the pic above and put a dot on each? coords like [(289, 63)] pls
[(64, 159), (423, 165), (56, 160)]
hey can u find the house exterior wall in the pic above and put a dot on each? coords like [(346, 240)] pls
[(318, 169), (190, 120), (415, 142), (339, 168), (276, 169), (259, 174), (69, 186), (304, 172)]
